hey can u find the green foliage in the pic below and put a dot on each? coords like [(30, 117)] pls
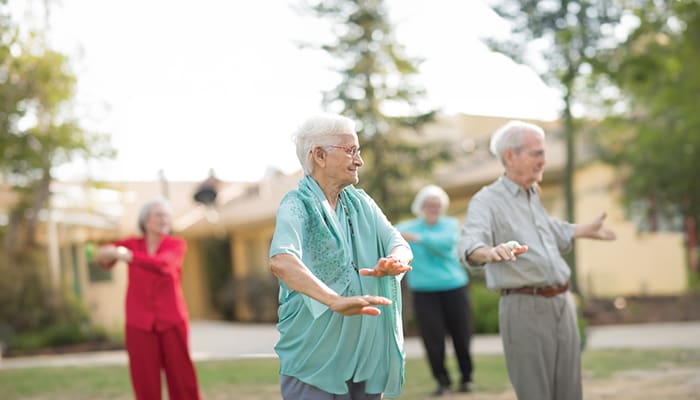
[(652, 133), (38, 129), (560, 39), (484, 306), (217, 259), (34, 313), (38, 132), (59, 334), (247, 291), (377, 90)]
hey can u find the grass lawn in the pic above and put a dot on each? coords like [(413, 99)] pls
[(256, 379)]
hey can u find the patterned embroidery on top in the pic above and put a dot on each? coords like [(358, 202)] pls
[(323, 252)]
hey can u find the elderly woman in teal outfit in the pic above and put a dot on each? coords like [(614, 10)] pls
[(339, 262), (438, 283)]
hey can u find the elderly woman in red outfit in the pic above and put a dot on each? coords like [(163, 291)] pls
[(157, 332)]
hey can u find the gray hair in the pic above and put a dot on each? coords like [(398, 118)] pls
[(510, 136), (319, 130), (426, 193), (146, 210)]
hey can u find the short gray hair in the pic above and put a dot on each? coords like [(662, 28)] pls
[(426, 193), (510, 136), (319, 130), (146, 209)]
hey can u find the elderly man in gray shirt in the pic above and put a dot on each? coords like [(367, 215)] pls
[(537, 318)]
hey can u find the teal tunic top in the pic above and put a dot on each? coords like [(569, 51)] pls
[(435, 263), (316, 345)]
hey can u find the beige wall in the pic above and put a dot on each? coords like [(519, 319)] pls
[(636, 263), (105, 300)]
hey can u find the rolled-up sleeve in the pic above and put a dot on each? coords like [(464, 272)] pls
[(563, 232), (476, 231)]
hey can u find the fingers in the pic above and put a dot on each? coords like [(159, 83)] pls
[(507, 251), (354, 305), (386, 266), (373, 311), (520, 250)]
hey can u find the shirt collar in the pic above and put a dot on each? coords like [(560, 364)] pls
[(513, 188)]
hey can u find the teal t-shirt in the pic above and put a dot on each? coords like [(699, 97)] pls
[(435, 263), (316, 345)]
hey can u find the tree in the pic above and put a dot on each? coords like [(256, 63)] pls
[(38, 132), (564, 37), (377, 90), (652, 132)]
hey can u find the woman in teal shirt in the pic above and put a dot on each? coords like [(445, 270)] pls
[(439, 286), (339, 263)]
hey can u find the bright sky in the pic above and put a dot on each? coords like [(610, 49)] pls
[(189, 85)]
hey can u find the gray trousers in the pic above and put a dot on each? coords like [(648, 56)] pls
[(542, 346), (294, 389)]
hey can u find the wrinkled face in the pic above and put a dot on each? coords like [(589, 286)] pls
[(343, 160), (525, 165), (158, 221), (432, 209)]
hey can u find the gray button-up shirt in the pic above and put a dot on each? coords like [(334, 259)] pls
[(502, 211)]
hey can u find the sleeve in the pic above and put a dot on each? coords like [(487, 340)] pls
[(167, 261), (477, 229), (563, 233), (288, 237)]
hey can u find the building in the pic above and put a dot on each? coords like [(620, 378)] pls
[(226, 273)]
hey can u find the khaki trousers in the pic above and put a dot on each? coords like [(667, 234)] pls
[(542, 346)]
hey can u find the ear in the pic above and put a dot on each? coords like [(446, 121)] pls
[(318, 155), (508, 155)]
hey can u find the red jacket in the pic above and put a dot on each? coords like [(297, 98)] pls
[(154, 297)]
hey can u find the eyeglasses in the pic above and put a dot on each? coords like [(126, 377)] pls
[(352, 151)]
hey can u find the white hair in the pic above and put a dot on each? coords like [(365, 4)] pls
[(146, 210), (427, 192), (319, 130), (510, 136)]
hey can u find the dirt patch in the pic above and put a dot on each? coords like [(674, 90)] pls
[(642, 309), (665, 384)]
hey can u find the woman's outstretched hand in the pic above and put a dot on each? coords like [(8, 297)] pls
[(386, 266), (355, 305)]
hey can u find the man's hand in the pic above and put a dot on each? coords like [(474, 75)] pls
[(500, 253), (595, 230), (386, 266), (359, 305)]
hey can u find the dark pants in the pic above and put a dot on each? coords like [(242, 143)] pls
[(439, 313), (156, 350)]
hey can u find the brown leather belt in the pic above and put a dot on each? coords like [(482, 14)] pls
[(545, 291)]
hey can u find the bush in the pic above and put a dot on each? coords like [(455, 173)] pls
[(34, 312), (257, 293), (484, 306), (60, 334)]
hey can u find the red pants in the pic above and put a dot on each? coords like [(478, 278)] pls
[(152, 351)]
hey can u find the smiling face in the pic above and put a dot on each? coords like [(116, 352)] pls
[(525, 165), (339, 163), (432, 209), (158, 221)]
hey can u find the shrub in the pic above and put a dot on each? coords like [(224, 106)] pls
[(484, 306)]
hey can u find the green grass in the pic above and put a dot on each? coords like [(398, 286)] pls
[(257, 378)]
